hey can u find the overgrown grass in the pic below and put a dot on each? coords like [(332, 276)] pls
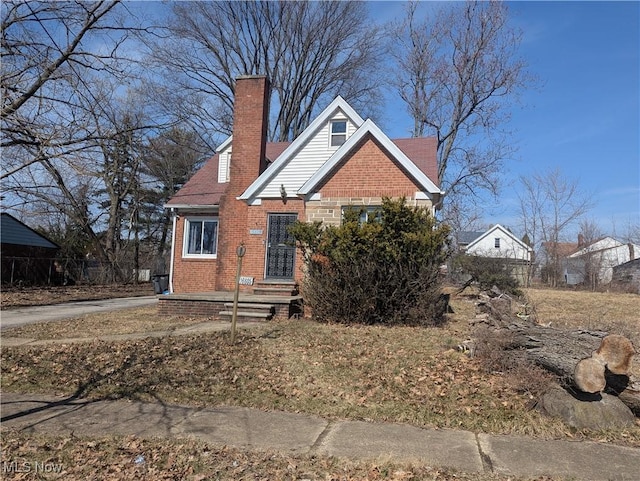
[(405, 375)]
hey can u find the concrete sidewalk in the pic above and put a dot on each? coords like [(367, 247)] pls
[(296, 433)]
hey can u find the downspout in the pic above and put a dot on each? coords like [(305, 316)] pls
[(174, 217)]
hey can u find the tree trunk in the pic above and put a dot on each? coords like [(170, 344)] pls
[(560, 351)]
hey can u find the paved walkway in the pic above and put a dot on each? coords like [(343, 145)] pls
[(298, 433), (303, 434), (29, 315)]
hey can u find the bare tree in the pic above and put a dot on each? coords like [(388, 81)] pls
[(71, 133), (457, 71), (592, 261), (51, 51), (550, 204), (311, 51), (168, 161)]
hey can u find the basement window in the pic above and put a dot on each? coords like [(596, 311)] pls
[(200, 237), (338, 132)]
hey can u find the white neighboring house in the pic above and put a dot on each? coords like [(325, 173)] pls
[(500, 243), (602, 256)]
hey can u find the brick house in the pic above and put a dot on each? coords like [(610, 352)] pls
[(251, 190)]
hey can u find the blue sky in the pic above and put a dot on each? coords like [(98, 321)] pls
[(584, 118)]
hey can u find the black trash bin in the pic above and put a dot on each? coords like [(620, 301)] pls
[(160, 283)]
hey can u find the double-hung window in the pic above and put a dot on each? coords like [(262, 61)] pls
[(338, 132), (496, 242), (200, 237)]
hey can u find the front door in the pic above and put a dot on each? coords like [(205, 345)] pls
[(281, 249)]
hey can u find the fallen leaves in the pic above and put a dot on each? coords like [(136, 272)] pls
[(133, 458), (381, 374)]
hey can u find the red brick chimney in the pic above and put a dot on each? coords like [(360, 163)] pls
[(250, 116)]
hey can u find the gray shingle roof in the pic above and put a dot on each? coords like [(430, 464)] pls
[(12, 231), (467, 237)]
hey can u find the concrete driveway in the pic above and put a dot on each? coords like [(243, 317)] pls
[(29, 315)]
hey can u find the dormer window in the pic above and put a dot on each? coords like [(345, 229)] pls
[(338, 132)]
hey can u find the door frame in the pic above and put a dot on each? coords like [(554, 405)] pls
[(268, 246)]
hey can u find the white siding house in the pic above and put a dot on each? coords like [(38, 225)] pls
[(602, 256), (500, 243)]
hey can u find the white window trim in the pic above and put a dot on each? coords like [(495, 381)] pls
[(185, 237), (367, 211), (331, 134)]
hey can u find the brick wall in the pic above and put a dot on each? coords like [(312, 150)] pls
[(191, 275), (362, 179), (369, 172)]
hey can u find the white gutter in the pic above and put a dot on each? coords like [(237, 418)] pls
[(173, 244), (191, 206)]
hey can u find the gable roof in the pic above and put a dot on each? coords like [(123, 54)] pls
[(203, 188), (604, 244), (416, 155), (12, 231), (504, 231), (338, 104), (562, 249), (369, 128)]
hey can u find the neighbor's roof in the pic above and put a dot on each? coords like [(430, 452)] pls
[(563, 249), (467, 237), (12, 231)]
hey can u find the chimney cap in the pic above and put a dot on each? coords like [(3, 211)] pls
[(246, 77)]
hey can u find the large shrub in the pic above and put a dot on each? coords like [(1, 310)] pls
[(384, 270)]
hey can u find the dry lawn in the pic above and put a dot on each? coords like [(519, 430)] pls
[(607, 311), (404, 375)]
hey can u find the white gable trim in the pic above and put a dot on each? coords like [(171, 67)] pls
[(224, 144), (338, 104), (369, 127), (504, 231)]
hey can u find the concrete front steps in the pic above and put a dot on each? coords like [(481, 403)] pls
[(276, 288), (249, 311), (213, 304)]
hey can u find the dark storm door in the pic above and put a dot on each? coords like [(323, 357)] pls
[(281, 250)]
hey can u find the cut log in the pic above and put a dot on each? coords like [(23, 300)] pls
[(616, 352), (580, 358), (589, 375)]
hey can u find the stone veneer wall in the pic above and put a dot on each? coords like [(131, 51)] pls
[(329, 210)]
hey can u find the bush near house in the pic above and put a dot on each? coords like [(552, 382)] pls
[(382, 270)]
